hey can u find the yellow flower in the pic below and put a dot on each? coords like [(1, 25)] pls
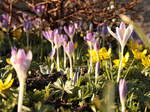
[(16, 33), (8, 61), (133, 44), (139, 55), (104, 54), (124, 61), (93, 53), (101, 54), (7, 83), (81, 35), (75, 45), (146, 61)]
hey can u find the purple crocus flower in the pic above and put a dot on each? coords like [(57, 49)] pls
[(90, 37), (4, 20), (104, 30), (21, 61), (96, 44), (75, 77), (49, 35), (69, 48), (122, 93), (64, 39), (37, 23), (70, 30), (27, 25), (56, 31), (134, 35), (58, 40), (39, 10)]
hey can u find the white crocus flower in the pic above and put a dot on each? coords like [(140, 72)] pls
[(122, 33)]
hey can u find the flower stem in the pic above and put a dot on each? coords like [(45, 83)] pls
[(106, 68), (58, 67), (9, 41), (20, 99), (96, 75), (123, 108), (27, 35), (71, 68), (41, 46), (64, 60), (120, 65), (90, 68)]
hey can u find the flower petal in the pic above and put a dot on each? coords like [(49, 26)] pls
[(8, 79), (112, 33), (127, 34), (29, 55)]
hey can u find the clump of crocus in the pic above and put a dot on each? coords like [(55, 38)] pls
[(69, 49), (122, 93), (21, 62), (122, 35), (7, 83)]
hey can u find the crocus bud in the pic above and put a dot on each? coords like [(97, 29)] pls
[(104, 30), (122, 93), (21, 61), (75, 77), (70, 30), (69, 48)]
